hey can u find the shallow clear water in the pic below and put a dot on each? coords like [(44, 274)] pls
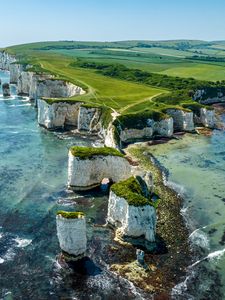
[(196, 169), (33, 173)]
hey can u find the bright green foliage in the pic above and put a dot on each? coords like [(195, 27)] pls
[(138, 120), (131, 191), (90, 152), (71, 215)]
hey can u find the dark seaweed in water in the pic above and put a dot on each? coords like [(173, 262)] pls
[(33, 170)]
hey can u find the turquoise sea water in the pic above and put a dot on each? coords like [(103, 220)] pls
[(196, 169), (33, 178)]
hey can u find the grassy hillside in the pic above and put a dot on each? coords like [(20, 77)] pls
[(129, 91), (167, 57)]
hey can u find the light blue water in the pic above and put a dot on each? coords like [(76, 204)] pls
[(33, 177), (196, 166)]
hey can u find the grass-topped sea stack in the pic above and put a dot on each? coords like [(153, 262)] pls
[(131, 211), (89, 166), (71, 232)]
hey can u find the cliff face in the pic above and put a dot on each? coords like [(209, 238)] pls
[(84, 174), (206, 118), (34, 93), (206, 98), (89, 119), (52, 88), (163, 128), (182, 120), (72, 235), (15, 71), (109, 137), (24, 83), (61, 114), (58, 114), (5, 60), (133, 221), (37, 86)]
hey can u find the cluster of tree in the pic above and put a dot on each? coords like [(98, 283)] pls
[(207, 58), (159, 80)]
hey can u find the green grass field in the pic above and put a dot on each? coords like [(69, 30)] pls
[(168, 57), (110, 92), (173, 58)]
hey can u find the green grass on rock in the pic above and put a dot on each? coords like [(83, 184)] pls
[(90, 152)]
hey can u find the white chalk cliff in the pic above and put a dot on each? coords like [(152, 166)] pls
[(72, 235), (133, 221), (84, 174), (163, 128), (57, 114), (60, 114), (182, 120), (5, 60), (89, 119), (201, 97), (15, 71), (206, 118)]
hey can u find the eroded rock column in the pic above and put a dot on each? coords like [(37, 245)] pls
[(71, 232)]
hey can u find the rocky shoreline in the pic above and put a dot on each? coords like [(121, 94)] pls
[(169, 267), (167, 261)]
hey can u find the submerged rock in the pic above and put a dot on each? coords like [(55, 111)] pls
[(6, 90), (71, 232)]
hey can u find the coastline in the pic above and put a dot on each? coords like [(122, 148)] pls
[(175, 267), (168, 268)]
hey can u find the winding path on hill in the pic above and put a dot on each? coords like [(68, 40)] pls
[(148, 99)]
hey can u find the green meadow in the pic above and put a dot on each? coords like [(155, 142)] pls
[(184, 59)]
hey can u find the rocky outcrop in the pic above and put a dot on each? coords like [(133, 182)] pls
[(87, 173), (58, 114), (24, 83), (71, 232), (163, 128), (205, 117), (216, 96), (89, 119), (34, 92), (182, 119), (109, 137), (6, 90), (15, 71), (133, 219), (5, 60), (54, 88)]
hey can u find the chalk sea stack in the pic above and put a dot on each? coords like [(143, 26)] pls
[(130, 211), (71, 232), (87, 167)]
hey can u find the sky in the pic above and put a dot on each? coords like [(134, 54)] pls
[(23, 21)]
